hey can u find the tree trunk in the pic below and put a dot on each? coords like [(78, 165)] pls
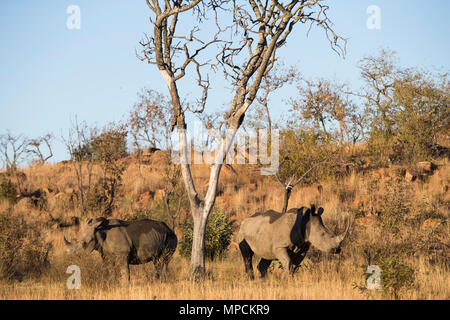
[(197, 264), (201, 209), (287, 195)]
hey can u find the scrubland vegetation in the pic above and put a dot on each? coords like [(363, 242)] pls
[(378, 157)]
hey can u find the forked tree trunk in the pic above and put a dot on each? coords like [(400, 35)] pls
[(201, 209), (275, 24)]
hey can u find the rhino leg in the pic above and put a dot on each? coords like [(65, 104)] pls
[(247, 255), (125, 272), (282, 255), (263, 265), (298, 255), (161, 265), (158, 268)]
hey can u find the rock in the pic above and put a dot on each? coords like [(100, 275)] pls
[(430, 223), (410, 175), (159, 195), (426, 166)]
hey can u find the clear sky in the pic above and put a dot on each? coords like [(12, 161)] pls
[(49, 74)]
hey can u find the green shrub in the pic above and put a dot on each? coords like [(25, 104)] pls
[(219, 230), (23, 253), (395, 277), (7, 191)]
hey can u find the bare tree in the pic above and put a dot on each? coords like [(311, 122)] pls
[(150, 120), (150, 124), (12, 150), (34, 147), (79, 146), (277, 78), (256, 30), (109, 146), (380, 74)]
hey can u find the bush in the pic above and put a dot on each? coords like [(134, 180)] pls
[(7, 191), (395, 277), (219, 230), (396, 206), (23, 253)]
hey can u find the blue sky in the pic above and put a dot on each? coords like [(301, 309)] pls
[(50, 74)]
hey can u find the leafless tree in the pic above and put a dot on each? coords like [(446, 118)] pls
[(34, 147), (247, 45), (150, 120), (12, 150), (277, 78), (79, 145)]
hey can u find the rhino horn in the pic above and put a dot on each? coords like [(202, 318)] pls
[(342, 236), (67, 242)]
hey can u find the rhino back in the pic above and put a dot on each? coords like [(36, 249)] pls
[(268, 230), (150, 238)]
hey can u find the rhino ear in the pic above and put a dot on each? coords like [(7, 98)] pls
[(319, 213), (99, 222), (313, 210), (307, 214), (95, 223)]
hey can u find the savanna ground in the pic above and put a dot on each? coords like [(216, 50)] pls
[(398, 224)]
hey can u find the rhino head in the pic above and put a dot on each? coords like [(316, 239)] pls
[(317, 234), (87, 240)]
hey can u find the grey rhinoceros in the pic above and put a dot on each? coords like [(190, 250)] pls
[(285, 237), (128, 242)]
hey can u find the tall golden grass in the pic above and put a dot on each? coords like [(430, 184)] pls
[(242, 193)]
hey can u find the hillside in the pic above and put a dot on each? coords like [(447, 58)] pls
[(398, 211)]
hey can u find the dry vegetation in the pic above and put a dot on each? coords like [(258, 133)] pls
[(369, 196)]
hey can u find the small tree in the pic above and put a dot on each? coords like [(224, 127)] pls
[(325, 105), (12, 152), (408, 108), (79, 146), (150, 120), (34, 147), (424, 114), (150, 123), (303, 154), (108, 148), (23, 250)]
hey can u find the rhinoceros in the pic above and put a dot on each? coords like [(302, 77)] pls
[(285, 237), (128, 242)]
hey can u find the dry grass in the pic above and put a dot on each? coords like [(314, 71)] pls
[(241, 194), (329, 279)]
